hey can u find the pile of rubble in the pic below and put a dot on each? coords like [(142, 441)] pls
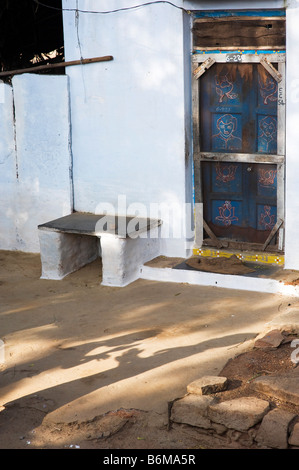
[(253, 422)]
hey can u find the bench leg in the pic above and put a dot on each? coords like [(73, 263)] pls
[(122, 258), (64, 253)]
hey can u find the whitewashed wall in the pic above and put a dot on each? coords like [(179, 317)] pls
[(292, 147), (34, 158), (8, 171), (129, 130)]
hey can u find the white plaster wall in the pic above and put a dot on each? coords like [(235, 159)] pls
[(128, 115), (7, 170), (35, 150), (292, 126)]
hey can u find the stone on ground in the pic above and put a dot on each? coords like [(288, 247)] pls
[(192, 410), (240, 413), (273, 431), (294, 437), (285, 387), (207, 385), (271, 340)]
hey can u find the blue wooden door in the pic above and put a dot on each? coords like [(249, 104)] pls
[(239, 116)]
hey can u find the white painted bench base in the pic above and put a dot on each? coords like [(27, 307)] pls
[(64, 253), (122, 258)]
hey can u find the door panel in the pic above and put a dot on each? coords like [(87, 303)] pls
[(266, 112), (240, 200), (239, 115)]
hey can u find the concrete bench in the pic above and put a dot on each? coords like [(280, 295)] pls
[(124, 243)]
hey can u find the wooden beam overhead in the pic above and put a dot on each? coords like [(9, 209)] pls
[(239, 32), (38, 68)]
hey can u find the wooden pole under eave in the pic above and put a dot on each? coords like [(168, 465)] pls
[(93, 60)]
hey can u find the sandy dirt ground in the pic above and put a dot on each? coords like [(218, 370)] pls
[(93, 367)]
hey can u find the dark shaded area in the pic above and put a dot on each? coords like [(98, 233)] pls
[(29, 32)]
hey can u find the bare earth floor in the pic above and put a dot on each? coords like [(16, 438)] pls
[(94, 367)]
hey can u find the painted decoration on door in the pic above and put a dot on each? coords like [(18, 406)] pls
[(226, 178), (267, 217), (267, 137), (225, 173), (227, 214), (225, 87), (268, 89), (266, 177), (228, 135)]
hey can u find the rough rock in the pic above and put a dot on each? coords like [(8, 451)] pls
[(273, 431), (233, 435), (288, 318), (111, 423), (294, 437), (285, 387), (207, 385), (239, 413), (192, 410), (218, 428), (273, 339)]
